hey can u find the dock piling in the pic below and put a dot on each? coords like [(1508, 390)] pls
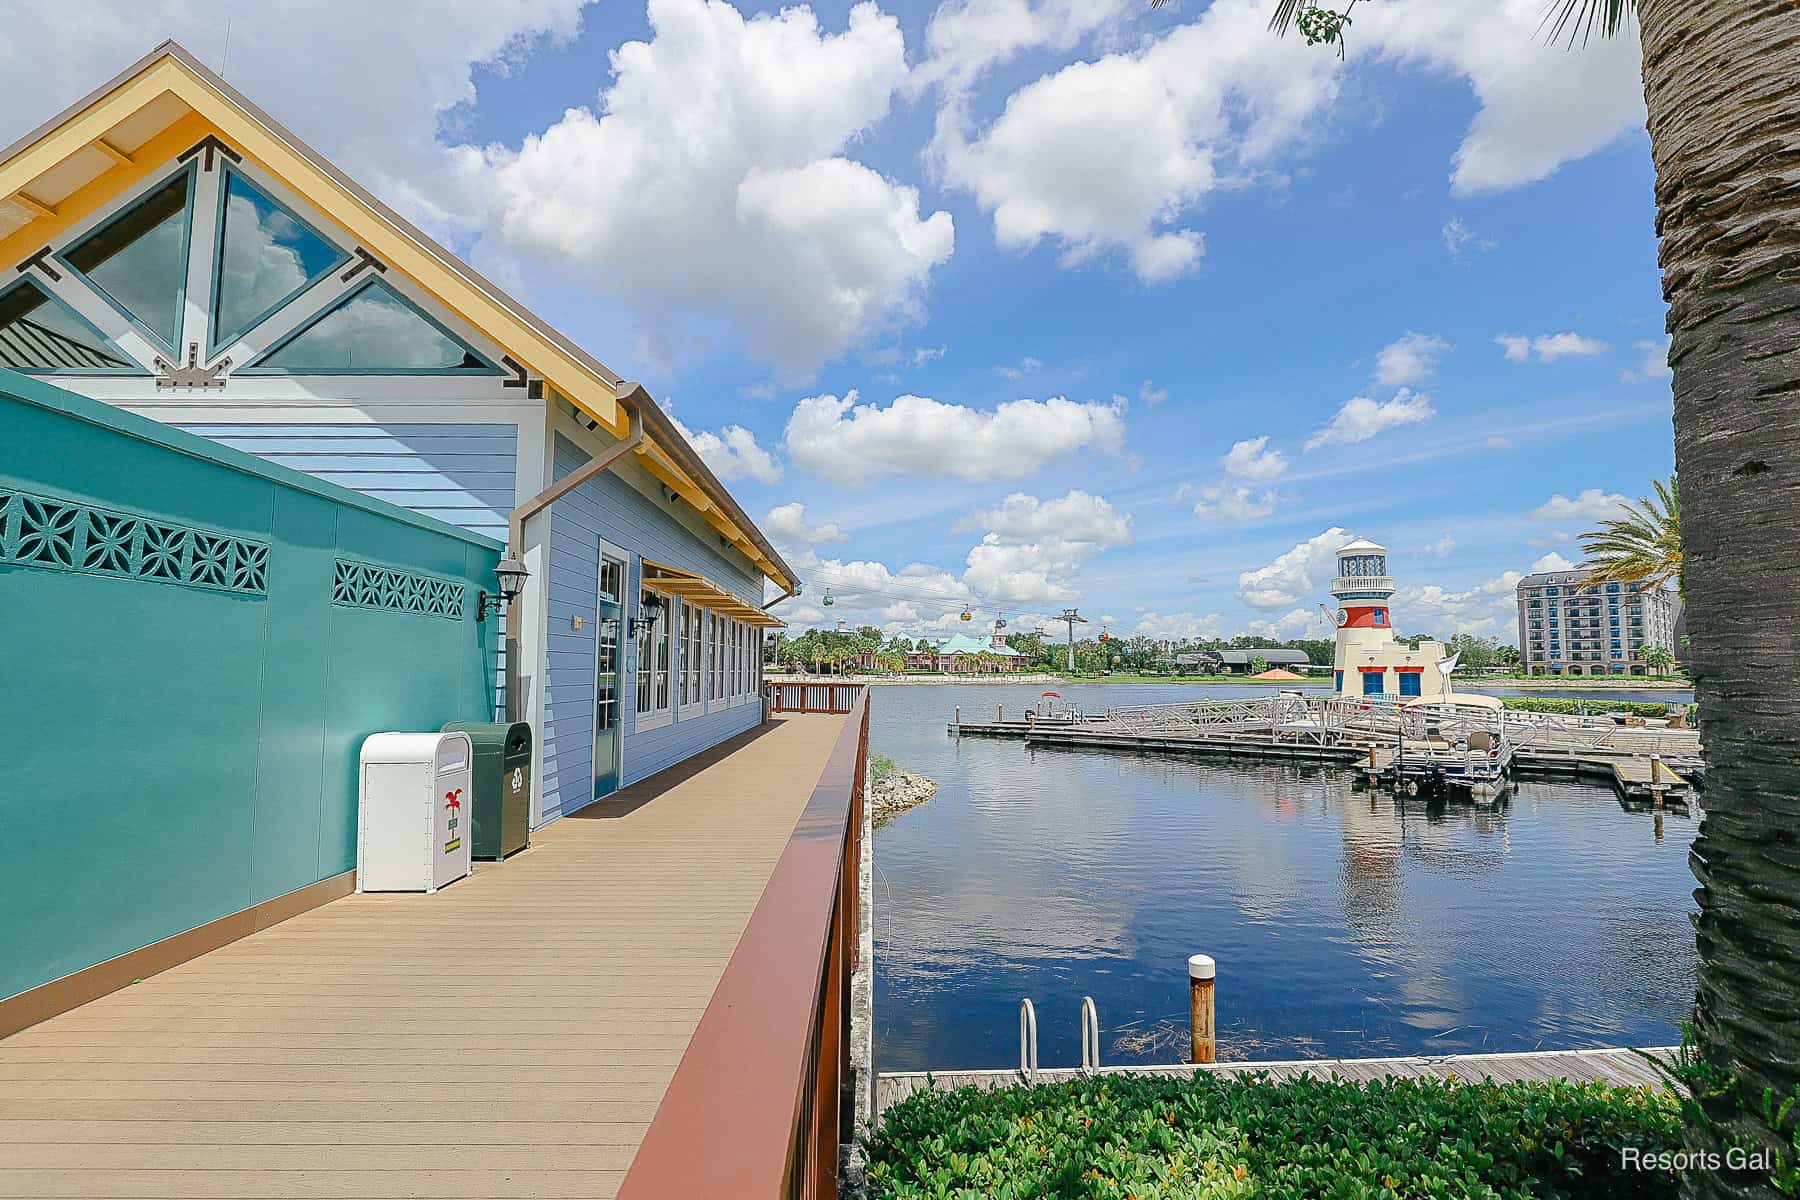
[(1201, 972)]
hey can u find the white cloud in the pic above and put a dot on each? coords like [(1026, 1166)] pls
[(1552, 562), (1459, 239), (1548, 347), (1224, 502), (1442, 547), (1026, 366), (1152, 395), (786, 526), (1182, 491), (1179, 627), (1496, 442), (709, 181), (851, 443), (1296, 623), (1489, 609), (1592, 505), (1252, 459), (1110, 156), (1034, 549), (1102, 157), (1361, 418), (1295, 577), (1653, 362), (1541, 105), (1410, 359), (733, 453), (1075, 517)]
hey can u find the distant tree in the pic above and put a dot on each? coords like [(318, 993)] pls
[(1478, 653), (1319, 651), (1258, 664), (1659, 659)]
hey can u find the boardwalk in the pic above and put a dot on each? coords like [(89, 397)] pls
[(1606, 1066), (510, 1036)]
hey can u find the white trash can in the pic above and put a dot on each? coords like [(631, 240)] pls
[(413, 801)]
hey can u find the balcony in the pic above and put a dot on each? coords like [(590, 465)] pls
[(649, 1002), (1363, 583)]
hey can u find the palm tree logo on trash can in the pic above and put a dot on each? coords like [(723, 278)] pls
[(453, 803)]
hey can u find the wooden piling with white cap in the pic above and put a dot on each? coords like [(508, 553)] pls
[(1201, 973)]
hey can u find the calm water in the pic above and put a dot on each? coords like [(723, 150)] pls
[(1343, 924)]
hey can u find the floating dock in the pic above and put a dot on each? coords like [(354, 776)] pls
[(1623, 1067), (1474, 751)]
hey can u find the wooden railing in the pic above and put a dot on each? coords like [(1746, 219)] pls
[(796, 697), (763, 1096)]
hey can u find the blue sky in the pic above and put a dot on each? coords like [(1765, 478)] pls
[(1416, 291)]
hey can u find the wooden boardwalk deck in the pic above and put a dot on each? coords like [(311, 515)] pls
[(1617, 1066), (510, 1036)]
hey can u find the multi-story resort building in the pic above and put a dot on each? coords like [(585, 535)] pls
[(1568, 626)]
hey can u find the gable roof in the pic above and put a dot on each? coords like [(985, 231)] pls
[(168, 102), (962, 643)]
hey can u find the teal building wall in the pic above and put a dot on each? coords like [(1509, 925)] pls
[(199, 641)]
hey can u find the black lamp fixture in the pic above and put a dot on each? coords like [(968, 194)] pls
[(512, 575), (650, 611)]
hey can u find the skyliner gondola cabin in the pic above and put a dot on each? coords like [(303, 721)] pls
[(170, 249)]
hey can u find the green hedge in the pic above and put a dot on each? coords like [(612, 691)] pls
[(1173, 1139), (1565, 705)]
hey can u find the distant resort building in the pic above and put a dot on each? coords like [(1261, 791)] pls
[(961, 654), (1568, 626), (1241, 662), (1368, 661)]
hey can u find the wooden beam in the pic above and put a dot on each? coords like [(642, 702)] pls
[(153, 156), (37, 208), (119, 157)]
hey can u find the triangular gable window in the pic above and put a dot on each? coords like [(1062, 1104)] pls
[(138, 260), (266, 256), (374, 331), (39, 333)]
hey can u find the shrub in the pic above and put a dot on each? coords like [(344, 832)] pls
[(880, 767), (1150, 1138), (1563, 705)]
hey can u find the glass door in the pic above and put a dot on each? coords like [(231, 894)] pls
[(608, 621)]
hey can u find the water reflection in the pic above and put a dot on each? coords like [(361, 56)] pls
[(1344, 922)]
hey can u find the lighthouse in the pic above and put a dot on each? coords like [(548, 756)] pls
[(1369, 662)]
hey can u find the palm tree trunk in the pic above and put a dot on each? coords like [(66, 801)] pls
[(1721, 79)]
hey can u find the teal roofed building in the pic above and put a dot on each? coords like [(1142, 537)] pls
[(960, 654)]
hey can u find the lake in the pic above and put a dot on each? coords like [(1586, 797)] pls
[(1344, 923)]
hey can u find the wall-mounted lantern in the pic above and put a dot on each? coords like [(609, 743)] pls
[(512, 575)]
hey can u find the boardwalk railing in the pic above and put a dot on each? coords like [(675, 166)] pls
[(763, 1096), (797, 697)]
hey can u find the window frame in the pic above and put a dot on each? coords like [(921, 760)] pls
[(218, 344), (135, 201), (258, 365), (692, 698), (651, 670), (132, 367)]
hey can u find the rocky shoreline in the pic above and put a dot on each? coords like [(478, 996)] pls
[(897, 791)]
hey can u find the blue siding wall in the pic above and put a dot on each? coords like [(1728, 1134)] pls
[(610, 509), (461, 474)]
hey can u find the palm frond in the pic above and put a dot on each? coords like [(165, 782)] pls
[(1580, 18), (1285, 12), (1641, 546)]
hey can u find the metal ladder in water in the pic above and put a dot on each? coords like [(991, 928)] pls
[(1028, 1039)]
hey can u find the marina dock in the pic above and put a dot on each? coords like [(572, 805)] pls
[(1620, 1066), (1469, 750)]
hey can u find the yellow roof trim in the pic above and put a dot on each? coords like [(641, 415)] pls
[(21, 243), (673, 581), (381, 233)]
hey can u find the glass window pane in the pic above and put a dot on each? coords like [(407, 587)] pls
[(374, 330), (40, 333), (139, 258), (266, 255)]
